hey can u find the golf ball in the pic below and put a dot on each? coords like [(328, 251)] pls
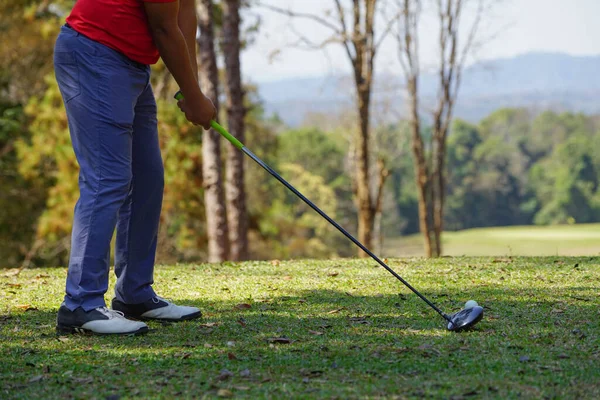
[(470, 304)]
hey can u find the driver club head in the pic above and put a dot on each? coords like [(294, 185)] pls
[(465, 319)]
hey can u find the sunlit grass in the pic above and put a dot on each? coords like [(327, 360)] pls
[(559, 240)]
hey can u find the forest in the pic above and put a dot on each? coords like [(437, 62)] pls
[(420, 174)]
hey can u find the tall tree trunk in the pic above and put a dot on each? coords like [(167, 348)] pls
[(438, 183), (430, 173), (363, 43), (234, 187), (366, 210), (421, 170), (383, 174), (216, 215), (355, 31)]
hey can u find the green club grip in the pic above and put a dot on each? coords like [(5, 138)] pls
[(215, 125)]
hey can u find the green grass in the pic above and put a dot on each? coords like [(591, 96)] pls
[(355, 332), (560, 240)]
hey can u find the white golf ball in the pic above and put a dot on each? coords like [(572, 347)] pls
[(470, 304)]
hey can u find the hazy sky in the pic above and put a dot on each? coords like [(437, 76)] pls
[(518, 26)]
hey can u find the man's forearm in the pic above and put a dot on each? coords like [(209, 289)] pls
[(188, 23), (175, 53)]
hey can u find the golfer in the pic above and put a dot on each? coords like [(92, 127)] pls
[(102, 63)]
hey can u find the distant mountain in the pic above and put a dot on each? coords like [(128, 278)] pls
[(535, 80)]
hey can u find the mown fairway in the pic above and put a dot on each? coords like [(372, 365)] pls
[(559, 240)]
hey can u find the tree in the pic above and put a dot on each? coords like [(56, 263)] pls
[(353, 26), (464, 200), (21, 200), (216, 215), (566, 180), (29, 29), (430, 158), (47, 158), (235, 183)]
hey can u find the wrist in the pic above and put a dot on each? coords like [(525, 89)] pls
[(192, 95)]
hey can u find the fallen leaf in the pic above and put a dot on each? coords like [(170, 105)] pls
[(83, 380), (275, 263), (287, 278), (208, 345), (15, 285), (209, 325), (311, 374), (580, 298), (224, 375), (63, 339), (185, 356), (242, 322), (27, 307), (563, 356), (36, 378), (40, 276), (231, 356), (301, 301), (558, 310), (265, 380), (282, 340), (360, 320), (333, 274), (337, 310), (243, 306), (243, 388), (316, 333)]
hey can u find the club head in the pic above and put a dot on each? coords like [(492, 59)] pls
[(465, 319)]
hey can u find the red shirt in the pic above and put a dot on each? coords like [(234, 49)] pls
[(121, 25)]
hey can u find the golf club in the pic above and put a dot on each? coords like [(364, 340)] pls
[(461, 320)]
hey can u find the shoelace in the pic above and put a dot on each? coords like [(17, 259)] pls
[(111, 313)]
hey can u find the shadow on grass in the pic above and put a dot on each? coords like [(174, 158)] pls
[(322, 343)]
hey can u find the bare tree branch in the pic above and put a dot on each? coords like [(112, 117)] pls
[(342, 18), (322, 21)]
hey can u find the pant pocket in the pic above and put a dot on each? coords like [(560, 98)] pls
[(66, 70)]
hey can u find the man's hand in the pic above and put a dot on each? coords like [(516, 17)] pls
[(200, 113)]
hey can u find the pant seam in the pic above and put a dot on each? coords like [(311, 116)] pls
[(98, 171)]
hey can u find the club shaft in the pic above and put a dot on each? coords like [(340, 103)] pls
[(339, 228)]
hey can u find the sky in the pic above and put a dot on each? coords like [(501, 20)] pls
[(512, 27)]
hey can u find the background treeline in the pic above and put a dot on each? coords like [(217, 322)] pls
[(515, 167)]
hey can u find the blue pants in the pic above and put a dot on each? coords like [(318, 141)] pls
[(112, 120)]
